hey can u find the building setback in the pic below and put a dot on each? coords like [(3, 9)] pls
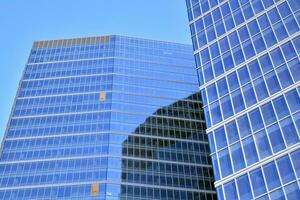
[(247, 57), (108, 117)]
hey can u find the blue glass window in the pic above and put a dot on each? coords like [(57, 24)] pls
[(220, 138), (220, 28), (292, 191), (263, 146), (248, 12), (229, 22), (224, 45), (285, 169), (233, 81), (295, 69), (204, 98), (288, 50), (243, 75), (215, 167), (218, 67), (222, 87), (232, 132), (208, 73), (258, 183), (244, 126), (284, 9), (215, 113), (248, 49), (253, 27), (220, 193), (272, 82), (284, 76), (205, 56), (254, 69), (243, 33), (293, 100), (281, 107), (216, 14), (263, 21), (273, 15), (211, 35), (250, 151), (276, 138), (291, 24), (225, 163), (257, 6), (296, 161), (212, 93), (280, 31), (268, 113), (237, 157), (238, 55), (297, 120), (214, 50), (259, 43), (230, 190), (289, 131), (256, 120), (238, 102), (244, 187), (296, 42), (295, 4), (211, 142), (271, 175), (277, 57), (249, 95), (260, 89), (265, 63), (269, 37), (277, 195), (202, 40), (207, 117), (228, 61), (226, 107), (233, 39)]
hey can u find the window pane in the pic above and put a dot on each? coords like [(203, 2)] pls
[(215, 167), (226, 107), (256, 120), (271, 175), (211, 142), (293, 100), (238, 102), (281, 107), (295, 69), (233, 81), (237, 157), (225, 163), (263, 145), (258, 183), (276, 138), (265, 63), (244, 187), (215, 113), (220, 138), (284, 76), (268, 113), (230, 190), (232, 132), (289, 131), (272, 82), (250, 151), (249, 95), (244, 126), (222, 87), (260, 89), (292, 191), (277, 195), (244, 75), (285, 169), (296, 161)]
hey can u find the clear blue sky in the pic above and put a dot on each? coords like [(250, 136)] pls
[(24, 21)]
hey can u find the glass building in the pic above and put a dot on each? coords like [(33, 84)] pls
[(108, 117), (247, 55)]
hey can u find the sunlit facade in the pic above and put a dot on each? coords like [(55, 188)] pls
[(247, 57), (107, 117)]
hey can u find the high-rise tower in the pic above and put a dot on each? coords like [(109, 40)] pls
[(247, 57), (107, 117)]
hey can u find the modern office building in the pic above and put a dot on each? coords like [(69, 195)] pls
[(247, 55), (108, 117)]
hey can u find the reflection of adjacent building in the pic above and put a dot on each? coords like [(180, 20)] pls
[(167, 156)]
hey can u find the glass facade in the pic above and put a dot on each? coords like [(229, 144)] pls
[(248, 65), (108, 117)]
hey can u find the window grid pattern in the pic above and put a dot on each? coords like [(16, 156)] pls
[(247, 59), (145, 139)]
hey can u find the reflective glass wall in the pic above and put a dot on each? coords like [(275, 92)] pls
[(107, 117), (247, 57)]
